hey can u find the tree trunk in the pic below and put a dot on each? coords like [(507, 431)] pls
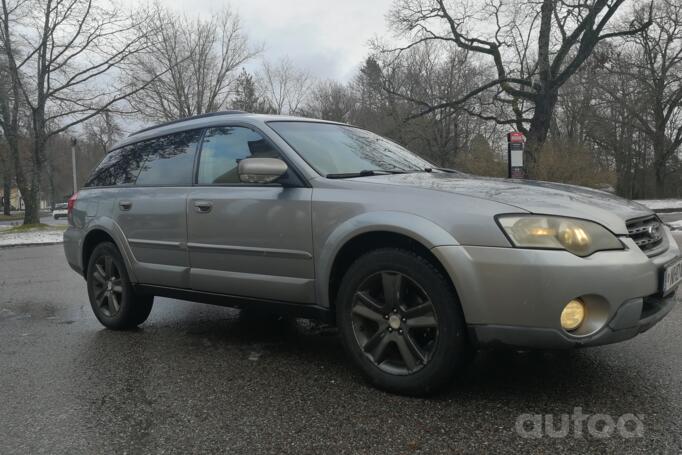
[(6, 196), (32, 198), (32, 206), (538, 131), (32, 214)]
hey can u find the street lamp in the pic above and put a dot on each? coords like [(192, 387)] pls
[(73, 164)]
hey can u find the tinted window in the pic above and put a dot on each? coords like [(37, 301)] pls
[(222, 150), (168, 159), (119, 167)]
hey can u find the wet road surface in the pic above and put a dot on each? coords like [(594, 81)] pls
[(200, 379)]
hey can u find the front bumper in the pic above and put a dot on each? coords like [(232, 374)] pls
[(515, 296), (631, 319)]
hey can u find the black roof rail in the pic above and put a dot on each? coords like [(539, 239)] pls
[(173, 122)]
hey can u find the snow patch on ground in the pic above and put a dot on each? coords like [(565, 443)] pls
[(661, 204), (30, 238)]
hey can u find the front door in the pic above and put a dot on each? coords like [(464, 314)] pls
[(247, 240)]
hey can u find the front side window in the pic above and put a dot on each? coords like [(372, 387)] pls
[(340, 149), (222, 150), (168, 160)]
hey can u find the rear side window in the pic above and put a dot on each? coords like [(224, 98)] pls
[(120, 167), (168, 160)]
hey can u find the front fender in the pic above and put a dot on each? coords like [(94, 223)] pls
[(419, 229)]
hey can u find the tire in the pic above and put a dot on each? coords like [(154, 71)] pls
[(113, 300), (413, 347)]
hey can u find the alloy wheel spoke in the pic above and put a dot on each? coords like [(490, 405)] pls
[(99, 270), (99, 296), (97, 275), (422, 322), (411, 354), (107, 266), (419, 310), (117, 286), (368, 313), (373, 341), (378, 351), (113, 303), (367, 300), (391, 284)]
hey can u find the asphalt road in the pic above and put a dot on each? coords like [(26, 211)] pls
[(200, 379)]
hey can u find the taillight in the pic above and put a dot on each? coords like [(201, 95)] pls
[(71, 204)]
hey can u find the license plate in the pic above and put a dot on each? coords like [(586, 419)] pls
[(672, 276)]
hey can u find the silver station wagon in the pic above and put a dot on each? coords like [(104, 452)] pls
[(418, 266)]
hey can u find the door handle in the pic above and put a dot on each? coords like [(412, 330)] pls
[(125, 205), (203, 206)]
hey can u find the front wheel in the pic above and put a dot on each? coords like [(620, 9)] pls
[(401, 322), (112, 297)]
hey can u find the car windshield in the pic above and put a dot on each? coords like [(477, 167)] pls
[(60, 206), (337, 150)]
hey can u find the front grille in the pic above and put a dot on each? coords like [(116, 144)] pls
[(648, 234)]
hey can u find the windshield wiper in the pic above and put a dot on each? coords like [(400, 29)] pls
[(447, 170), (364, 173)]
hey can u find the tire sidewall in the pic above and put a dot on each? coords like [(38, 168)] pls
[(451, 343)]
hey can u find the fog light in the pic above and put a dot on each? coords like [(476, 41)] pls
[(573, 315)]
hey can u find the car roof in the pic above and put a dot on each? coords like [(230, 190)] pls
[(207, 120)]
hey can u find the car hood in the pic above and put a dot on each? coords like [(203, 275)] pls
[(530, 196)]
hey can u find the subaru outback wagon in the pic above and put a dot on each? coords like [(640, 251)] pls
[(418, 266)]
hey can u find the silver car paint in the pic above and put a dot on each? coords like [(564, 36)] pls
[(255, 241), (280, 243)]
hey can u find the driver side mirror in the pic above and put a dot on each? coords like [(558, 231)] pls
[(261, 170)]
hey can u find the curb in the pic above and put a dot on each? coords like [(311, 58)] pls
[(19, 245)]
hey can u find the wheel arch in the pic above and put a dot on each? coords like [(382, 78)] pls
[(372, 231), (108, 231)]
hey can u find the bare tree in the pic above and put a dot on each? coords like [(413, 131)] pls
[(330, 100), (284, 86), (6, 175), (5, 163), (651, 63), (198, 58), (62, 58), (103, 131), (533, 46)]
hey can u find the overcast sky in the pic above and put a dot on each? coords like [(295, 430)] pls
[(328, 37)]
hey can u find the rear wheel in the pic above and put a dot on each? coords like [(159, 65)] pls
[(113, 300), (401, 322)]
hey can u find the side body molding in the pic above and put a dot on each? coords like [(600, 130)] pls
[(416, 227)]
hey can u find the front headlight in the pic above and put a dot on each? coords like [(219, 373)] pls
[(579, 237)]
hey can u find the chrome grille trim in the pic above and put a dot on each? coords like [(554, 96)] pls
[(648, 233)]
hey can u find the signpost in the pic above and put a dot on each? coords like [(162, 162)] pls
[(515, 146)]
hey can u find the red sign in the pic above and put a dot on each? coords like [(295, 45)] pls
[(516, 137)]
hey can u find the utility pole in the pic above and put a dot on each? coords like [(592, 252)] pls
[(73, 164)]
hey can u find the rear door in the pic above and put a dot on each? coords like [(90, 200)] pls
[(153, 214), (245, 239)]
